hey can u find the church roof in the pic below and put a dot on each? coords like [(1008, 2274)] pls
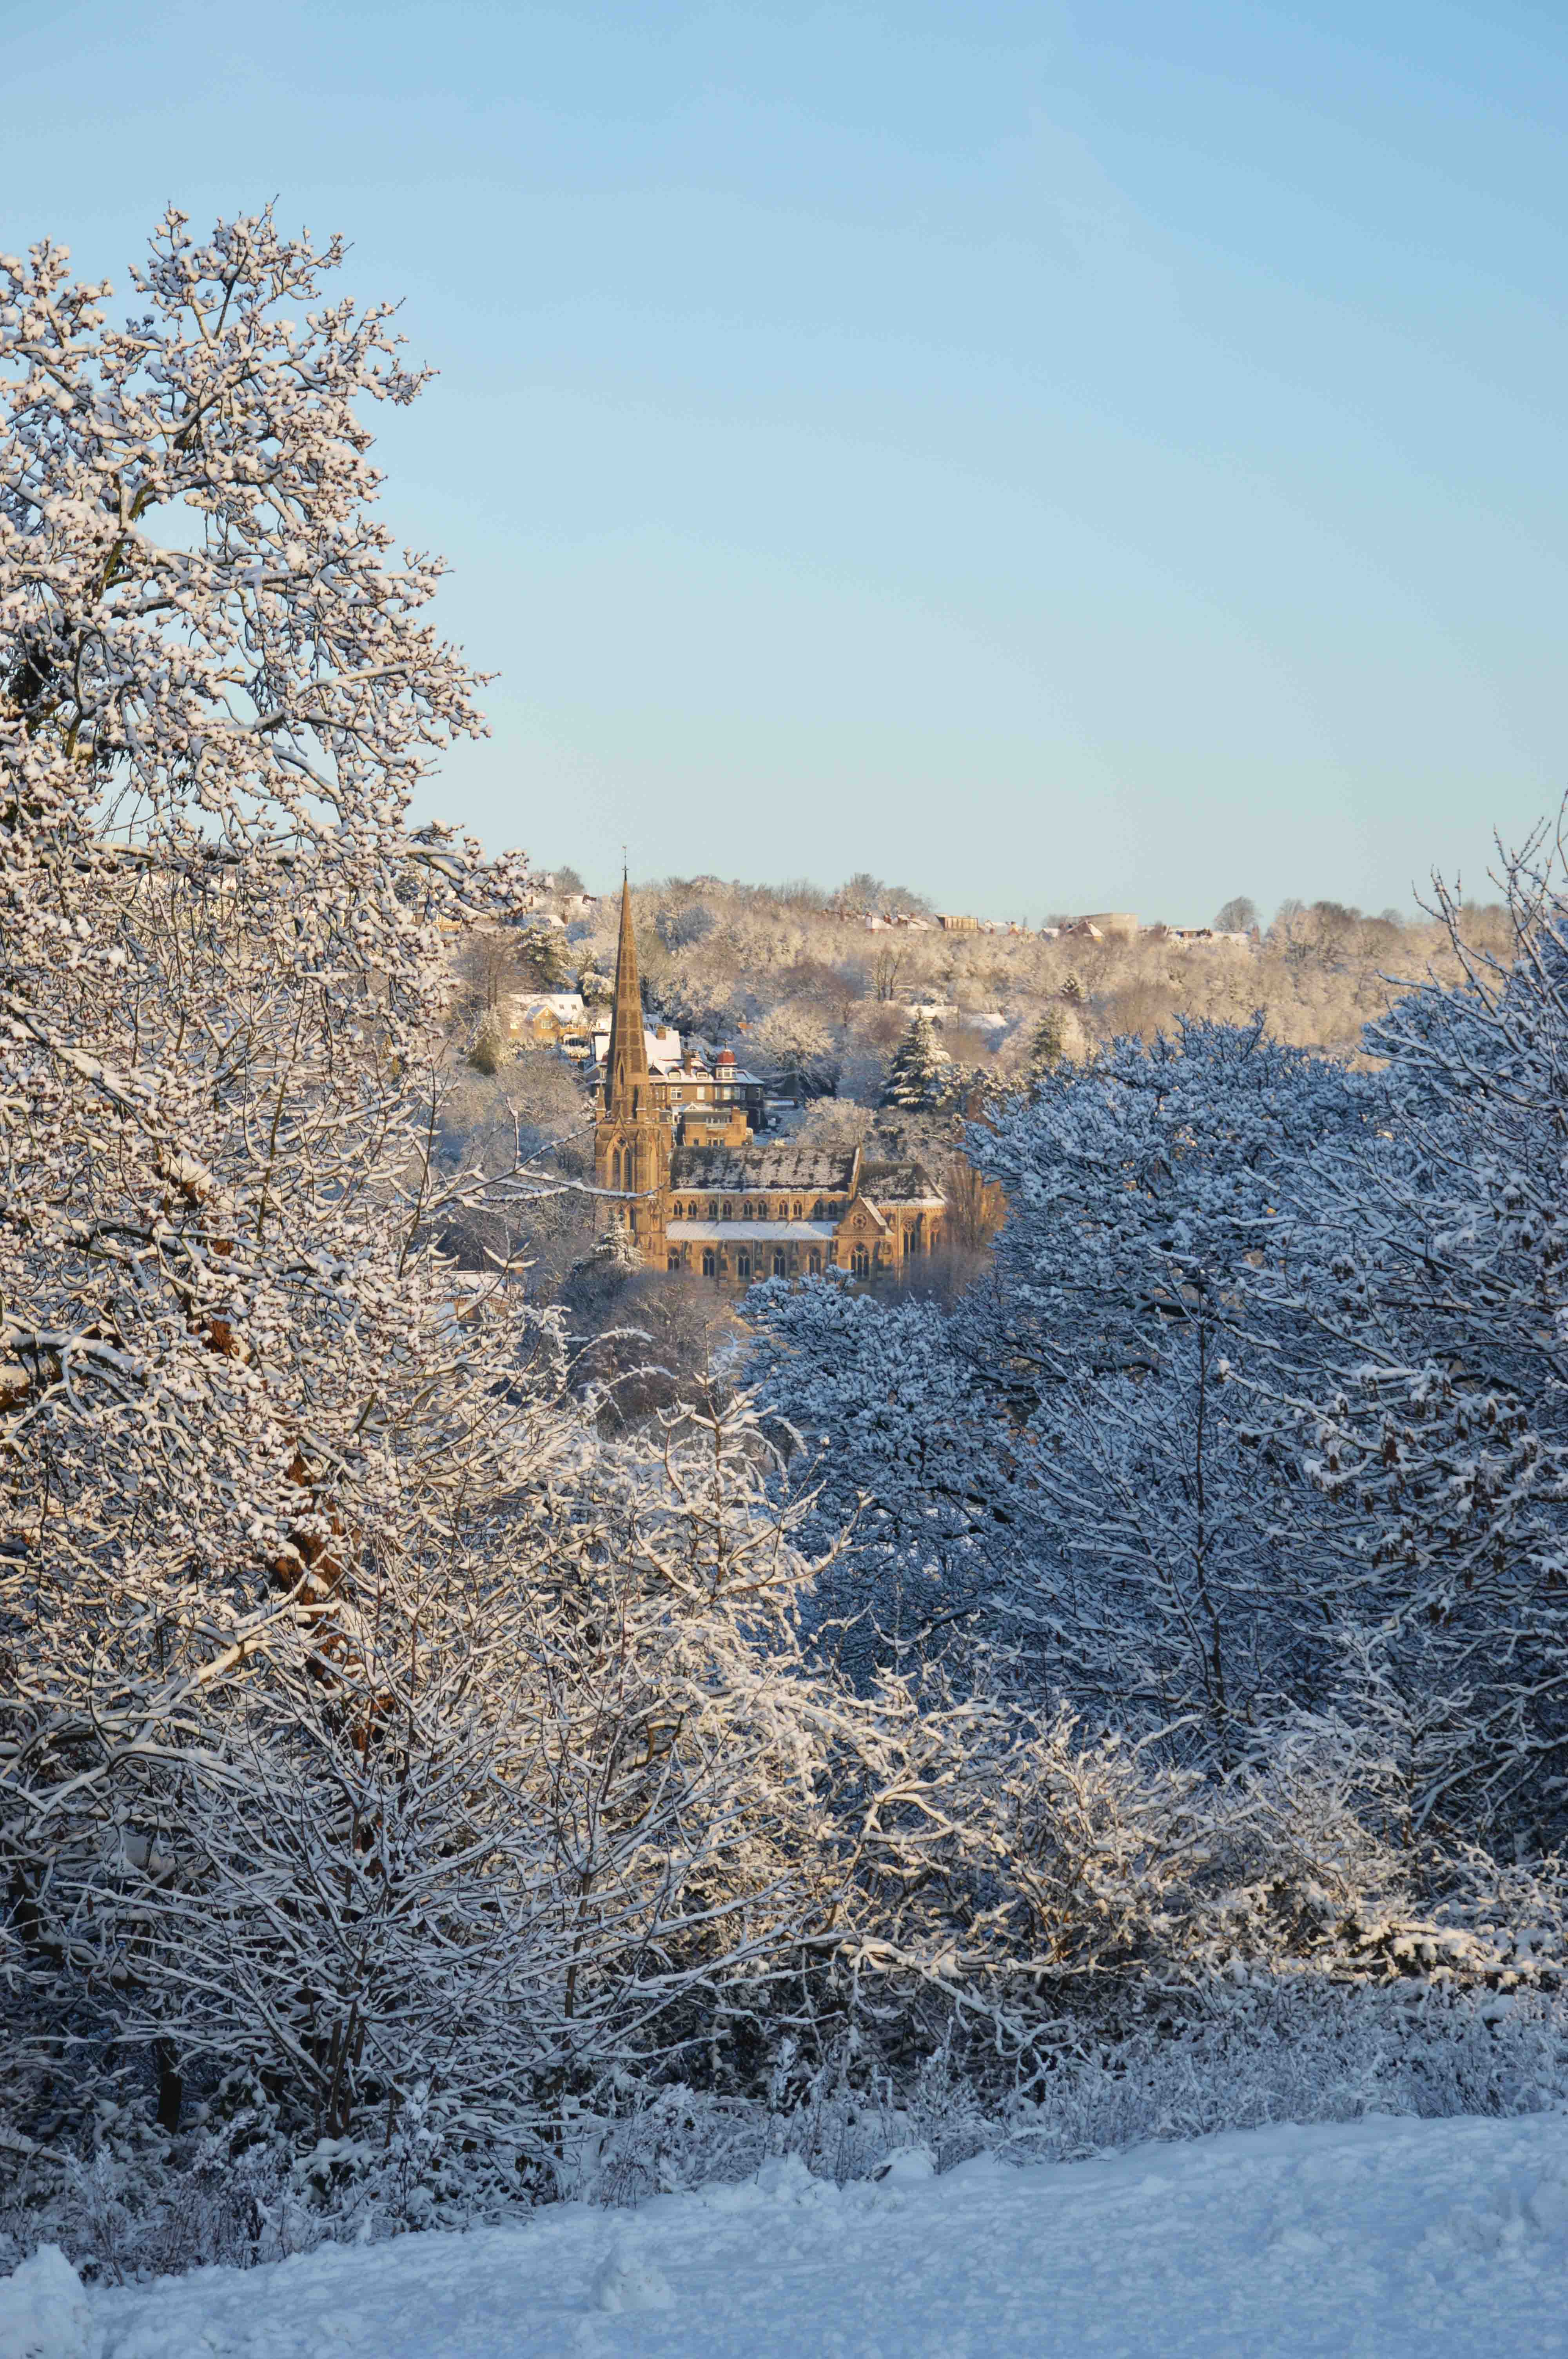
[(818, 1169), (731, 1232), (899, 1184)]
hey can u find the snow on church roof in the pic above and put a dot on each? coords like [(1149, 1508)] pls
[(900, 1183), (729, 1233), (822, 1170)]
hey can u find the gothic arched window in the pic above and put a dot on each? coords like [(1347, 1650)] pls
[(615, 1169), (729, 1207)]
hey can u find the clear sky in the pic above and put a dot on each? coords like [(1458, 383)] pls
[(1056, 457)]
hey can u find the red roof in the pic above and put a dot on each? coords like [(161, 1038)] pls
[(725, 1056)]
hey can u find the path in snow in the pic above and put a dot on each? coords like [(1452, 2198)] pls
[(1402, 2239)]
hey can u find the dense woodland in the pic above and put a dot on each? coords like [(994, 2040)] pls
[(453, 1727)]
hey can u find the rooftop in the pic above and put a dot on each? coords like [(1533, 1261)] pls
[(822, 1170), (743, 1232), (900, 1183)]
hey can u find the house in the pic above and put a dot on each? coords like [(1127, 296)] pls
[(544, 1019), (662, 1043), (1107, 926)]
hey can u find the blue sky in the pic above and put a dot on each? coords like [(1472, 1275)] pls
[(1056, 457)]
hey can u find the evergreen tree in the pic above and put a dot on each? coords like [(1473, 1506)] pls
[(546, 953), (597, 1276), (1048, 1045), (490, 1047), (920, 1075)]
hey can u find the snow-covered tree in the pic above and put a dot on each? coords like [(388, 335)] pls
[(1072, 1460), (792, 1041), (1180, 1569), (366, 1719), (1048, 1043), (544, 951), (895, 1443), (920, 1074), (235, 1388), (1432, 1265)]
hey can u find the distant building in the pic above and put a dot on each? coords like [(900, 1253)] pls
[(959, 925), (703, 1194), (1188, 937), (662, 1040), (544, 1019)]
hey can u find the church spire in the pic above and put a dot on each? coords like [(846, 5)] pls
[(626, 1065)]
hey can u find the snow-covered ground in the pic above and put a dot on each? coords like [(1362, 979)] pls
[(1387, 2238)]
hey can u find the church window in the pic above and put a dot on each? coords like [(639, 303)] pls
[(672, 1259), (745, 1211), (861, 1262), (742, 1264), (713, 1208), (815, 1262), (799, 1211), (780, 1262), (729, 1207), (615, 1169), (710, 1265)]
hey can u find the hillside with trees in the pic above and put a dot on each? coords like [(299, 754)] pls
[(798, 970)]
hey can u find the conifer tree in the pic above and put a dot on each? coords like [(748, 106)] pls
[(547, 960), (1048, 1045), (920, 1075)]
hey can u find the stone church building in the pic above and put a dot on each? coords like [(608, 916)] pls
[(704, 1193)]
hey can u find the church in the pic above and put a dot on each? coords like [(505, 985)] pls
[(705, 1194)]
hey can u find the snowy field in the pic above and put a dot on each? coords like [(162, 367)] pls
[(1402, 2239)]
